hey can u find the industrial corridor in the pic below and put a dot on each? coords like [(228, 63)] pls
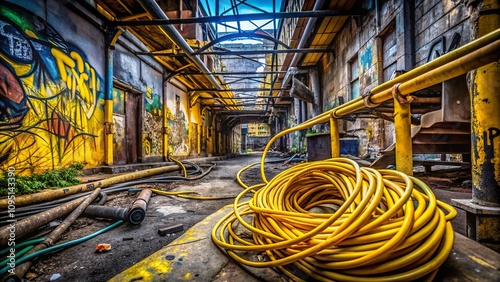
[(249, 140)]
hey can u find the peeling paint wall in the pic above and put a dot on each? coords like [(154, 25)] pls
[(51, 110)]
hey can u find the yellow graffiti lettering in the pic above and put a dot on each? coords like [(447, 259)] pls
[(75, 72)]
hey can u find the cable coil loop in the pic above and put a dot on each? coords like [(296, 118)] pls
[(334, 220)]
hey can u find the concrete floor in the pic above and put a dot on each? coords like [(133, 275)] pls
[(190, 254)]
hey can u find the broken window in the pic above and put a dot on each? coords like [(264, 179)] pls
[(354, 77)]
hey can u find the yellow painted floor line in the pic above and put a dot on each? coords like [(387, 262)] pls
[(190, 257)]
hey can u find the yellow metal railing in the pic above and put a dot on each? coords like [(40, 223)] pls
[(472, 55)]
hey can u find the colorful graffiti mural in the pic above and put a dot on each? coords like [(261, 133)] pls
[(51, 108), (178, 129), (153, 125)]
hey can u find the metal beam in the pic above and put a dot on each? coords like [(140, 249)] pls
[(245, 112), (233, 73), (239, 53), (245, 17), (248, 104), (237, 90), (239, 98)]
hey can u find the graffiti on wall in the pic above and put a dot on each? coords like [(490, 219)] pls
[(50, 96), (178, 129), (152, 139)]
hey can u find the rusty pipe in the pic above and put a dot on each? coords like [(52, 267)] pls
[(49, 195), (137, 212), (31, 223), (53, 237), (106, 212)]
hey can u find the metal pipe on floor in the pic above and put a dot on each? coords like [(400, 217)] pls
[(20, 270), (106, 212), (137, 212), (48, 195), (27, 225)]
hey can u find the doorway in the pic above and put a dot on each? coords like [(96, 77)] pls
[(126, 105)]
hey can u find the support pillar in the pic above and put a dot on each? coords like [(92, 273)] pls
[(111, 38), (402, 125), (334, 137), (316, 89), (483, 210)]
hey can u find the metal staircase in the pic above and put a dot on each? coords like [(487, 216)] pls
[(442, 131)]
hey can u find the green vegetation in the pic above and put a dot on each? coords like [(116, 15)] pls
[(63, 177)]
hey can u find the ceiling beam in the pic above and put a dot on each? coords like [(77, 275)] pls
[(245, 17), (237, 53), (234, 73), (240, 98), (237, 90)]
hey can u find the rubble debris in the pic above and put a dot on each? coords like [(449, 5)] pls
[(55, 276), (170, 229), (103, 248)]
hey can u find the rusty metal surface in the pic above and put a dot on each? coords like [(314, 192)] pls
[(31, 223), (54, 236), (137, 212), (106, 212)]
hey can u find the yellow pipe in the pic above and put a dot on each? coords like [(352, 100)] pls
[(48, 195), (459, 66), (108, 132), (445, 72), (334, 137), (444, 59), (402, 126)]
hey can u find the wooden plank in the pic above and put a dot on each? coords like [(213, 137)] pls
[(469, 261), (332, 25), (323, 25)]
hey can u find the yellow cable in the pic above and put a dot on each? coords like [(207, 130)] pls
[(387, 226), (183, 167), (185, 195)]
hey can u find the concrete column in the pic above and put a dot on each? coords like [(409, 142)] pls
[(316, 89)]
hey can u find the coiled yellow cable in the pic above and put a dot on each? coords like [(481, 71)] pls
[(386, 225)]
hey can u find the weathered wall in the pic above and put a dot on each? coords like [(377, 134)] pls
[(178, 121), (52, 88), (145, 76), (436, 23)]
